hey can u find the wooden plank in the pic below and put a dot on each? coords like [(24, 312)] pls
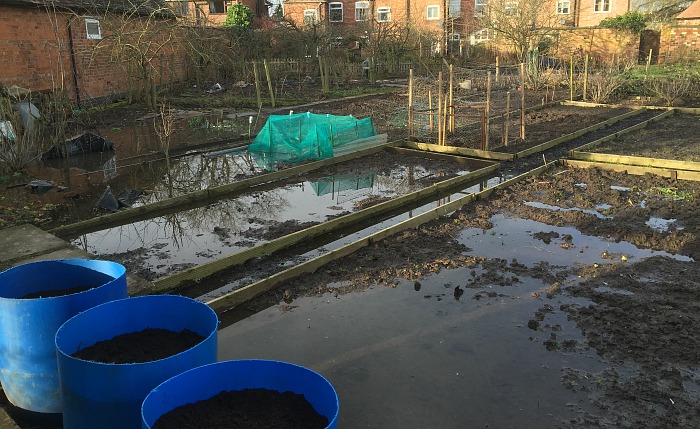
[(453, 150), (576, 134), (636, 170), (205, 270), (202, 197), (574, 153), (638, 161), (249, 292)]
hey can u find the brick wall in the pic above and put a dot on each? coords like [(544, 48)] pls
[(680, 42), (602, 43), (37, 55), (588, 17)]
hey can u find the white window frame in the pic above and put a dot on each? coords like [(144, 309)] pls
[(599, 6), (511, 8), (481, 36), (454, 8), (432, 16), (383, 14), (563, 7), (455, 37), (310, 17), (335, 6), (479, 6), (361, 11), (92, 35)]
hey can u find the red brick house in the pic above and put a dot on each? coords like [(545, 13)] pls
[(78, 46), (213, 12), (680, 40), (454, 19)]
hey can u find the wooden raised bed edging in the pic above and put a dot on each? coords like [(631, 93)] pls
[(205, 196), (262, 249), (636, 169), (239, 296), (454, 150), (576, 134)]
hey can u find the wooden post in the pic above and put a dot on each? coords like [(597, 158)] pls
[(452, 108), (646, 70), (487, 110), (507, 120), (522, 101), (410, 103), (585, 77), (439, 118), (269, 83), (257, 83), (497, 69), (571, 79), (444, 124)]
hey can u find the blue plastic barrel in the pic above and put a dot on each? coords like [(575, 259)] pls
[(209, 380), (28, 370), (106, 395)]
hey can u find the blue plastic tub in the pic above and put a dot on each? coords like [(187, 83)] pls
[(28, 370), (106, 395), (207, 381)]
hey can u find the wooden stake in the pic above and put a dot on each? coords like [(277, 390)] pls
[(646, 70), (430, 109), (522, 101), (410, 103), (444, 124), (497, 69), (269, 83), (439, 108), (571, 79), (507, 120), (585, 77), (487, 110), (257, 83), (452, 109)]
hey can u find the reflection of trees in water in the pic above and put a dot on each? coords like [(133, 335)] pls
[(195, 173), (401, 180)]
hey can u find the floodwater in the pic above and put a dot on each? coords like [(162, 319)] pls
[(193, 236), (421, 355)]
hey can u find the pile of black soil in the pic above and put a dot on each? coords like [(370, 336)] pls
[(245, 409), (143, 346)]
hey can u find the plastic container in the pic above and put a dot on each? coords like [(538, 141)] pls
[(107, 395), (28, 370), (207, 381)]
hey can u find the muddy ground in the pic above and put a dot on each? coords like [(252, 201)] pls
[(640, 315)]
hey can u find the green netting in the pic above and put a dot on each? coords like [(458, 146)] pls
[(306, 136), (343, 182)]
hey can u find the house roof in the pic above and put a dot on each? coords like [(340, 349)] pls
[(693, 12), (144, 7)]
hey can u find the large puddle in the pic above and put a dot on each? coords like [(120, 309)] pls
[(166, 244)]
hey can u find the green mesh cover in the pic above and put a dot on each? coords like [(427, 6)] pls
[(343, 182), (306, 136)]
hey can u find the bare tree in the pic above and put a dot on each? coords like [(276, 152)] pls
[(520, 24), (661, 10)]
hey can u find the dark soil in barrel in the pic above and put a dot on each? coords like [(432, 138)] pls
[(246, 409), (143, 346), (56, 292)]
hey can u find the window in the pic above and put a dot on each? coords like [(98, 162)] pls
[(563, 7), (511, 8), (479, 7), (180, 7), (361, 11), (433, 12), (310, 17), (601, 6), (216, 6), (383, 14), (92, 28), (335, 12), (455, 8), (481, 36)]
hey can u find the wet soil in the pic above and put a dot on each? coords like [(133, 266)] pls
[(147, 345), (678, 134), (245, 409), (638, 313)]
